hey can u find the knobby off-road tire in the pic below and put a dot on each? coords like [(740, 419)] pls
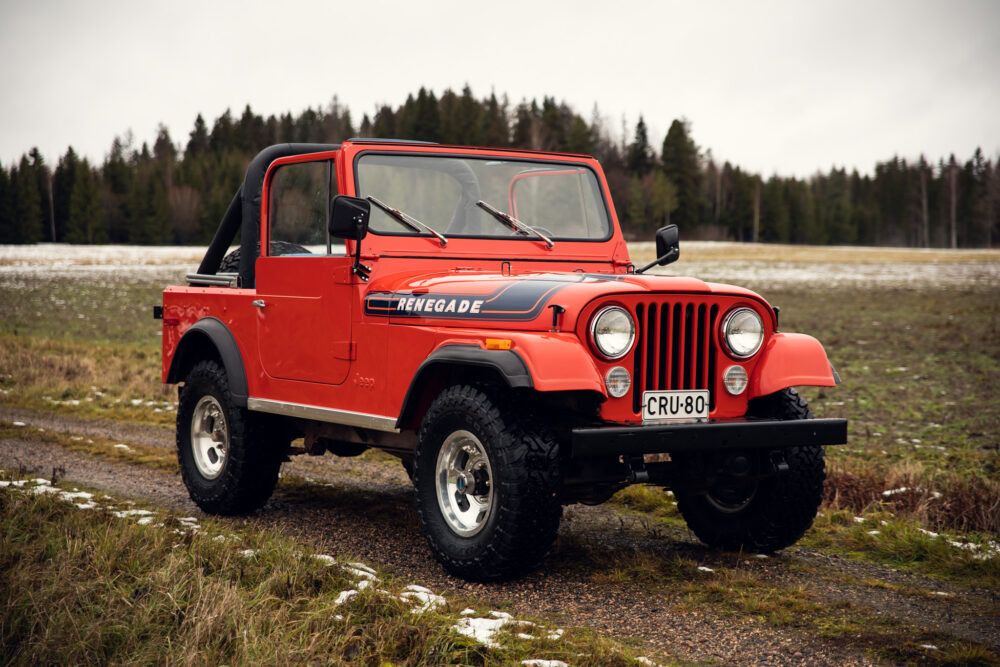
[(772, 513), (513, 482), (231, 262), (228, 463)]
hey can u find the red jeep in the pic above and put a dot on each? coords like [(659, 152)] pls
[(475, 313)]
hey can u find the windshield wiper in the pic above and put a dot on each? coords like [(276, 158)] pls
[(407, 220), (513, 222)]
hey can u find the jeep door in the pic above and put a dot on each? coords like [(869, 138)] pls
[(304, 282)]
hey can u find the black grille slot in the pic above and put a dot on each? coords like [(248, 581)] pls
[(674, 349)]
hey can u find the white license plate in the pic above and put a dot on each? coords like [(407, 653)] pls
[(657, 405)]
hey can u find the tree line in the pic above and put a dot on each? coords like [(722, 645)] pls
[(176, 193)]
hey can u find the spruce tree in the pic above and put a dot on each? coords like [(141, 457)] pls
[(28, 205), (6, 207), (680, 164), (640, 156), (62, 190), (198, 139), (85, 219), (496, 127)]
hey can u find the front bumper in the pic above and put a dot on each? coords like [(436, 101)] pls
[(706, 437)]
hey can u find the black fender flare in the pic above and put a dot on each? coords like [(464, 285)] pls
[(204, 335), (508, 364)]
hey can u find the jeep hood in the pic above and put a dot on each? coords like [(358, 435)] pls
[(521, 302)]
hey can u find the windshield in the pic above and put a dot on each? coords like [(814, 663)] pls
[(560, 201)]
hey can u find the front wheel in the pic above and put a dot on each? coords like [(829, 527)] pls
[(487, 485), (750, 513), (227, 463)]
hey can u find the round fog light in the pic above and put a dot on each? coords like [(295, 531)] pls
[(618, 382), (735, 379)]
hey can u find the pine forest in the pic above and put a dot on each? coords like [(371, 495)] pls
[(176, 192)]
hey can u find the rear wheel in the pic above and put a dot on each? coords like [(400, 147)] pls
[(228, 463), (487, 485), (742, 510)]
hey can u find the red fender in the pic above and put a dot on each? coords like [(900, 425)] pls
[(558, 362), (790, 360)]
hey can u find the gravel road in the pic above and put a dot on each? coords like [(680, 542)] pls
[(363, 508)]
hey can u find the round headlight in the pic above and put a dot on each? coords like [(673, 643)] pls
[(612, 332), (743, 332)]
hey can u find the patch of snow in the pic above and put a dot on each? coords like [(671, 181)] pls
[(361, 571), (426, 599), (363, 568), (930, 647), (859, 519), (74, 495), (467, 612), (122, 446), (345, 596), (874, 532), (19, 424), (483, 630), (121, 514), (535, 662), (942, 594), (928, 533), (323, 558), (702, 568)]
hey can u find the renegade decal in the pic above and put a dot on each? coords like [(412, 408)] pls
[(518, 301)]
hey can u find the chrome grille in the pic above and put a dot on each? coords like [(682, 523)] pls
[(674, 348)]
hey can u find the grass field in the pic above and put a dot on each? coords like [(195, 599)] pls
[(91, 579), (915, 336)]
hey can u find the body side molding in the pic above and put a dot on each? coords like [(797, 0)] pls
[(317, 413)]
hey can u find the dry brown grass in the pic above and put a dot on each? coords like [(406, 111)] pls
[(85, 587), (87, 379), (940, 501)]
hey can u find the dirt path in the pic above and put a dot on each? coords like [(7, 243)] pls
[(364, 508)]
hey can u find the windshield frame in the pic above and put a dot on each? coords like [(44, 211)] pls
[(500, 154)]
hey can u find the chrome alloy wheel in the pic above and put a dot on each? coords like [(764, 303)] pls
[(209, 437), (464, 483)]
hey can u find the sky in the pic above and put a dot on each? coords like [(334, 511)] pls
[(787, 88)]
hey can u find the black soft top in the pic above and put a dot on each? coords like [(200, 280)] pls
[(245, 208)]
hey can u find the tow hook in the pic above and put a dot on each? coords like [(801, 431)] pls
[(637, 472), (778, 463)]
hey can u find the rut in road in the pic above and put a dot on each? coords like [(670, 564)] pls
[(364, 509)]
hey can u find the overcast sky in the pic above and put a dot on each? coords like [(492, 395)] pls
[(775, 87)]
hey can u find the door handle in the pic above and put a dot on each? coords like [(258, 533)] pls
[(259, 303)]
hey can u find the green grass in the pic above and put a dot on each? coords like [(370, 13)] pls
[(741, 593), (86, 587), (885, 538)]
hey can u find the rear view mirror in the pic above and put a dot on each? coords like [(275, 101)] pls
[(349, 217), (668, 247)]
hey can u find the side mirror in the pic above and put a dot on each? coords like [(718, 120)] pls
[(668, 247), (349, 217)]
